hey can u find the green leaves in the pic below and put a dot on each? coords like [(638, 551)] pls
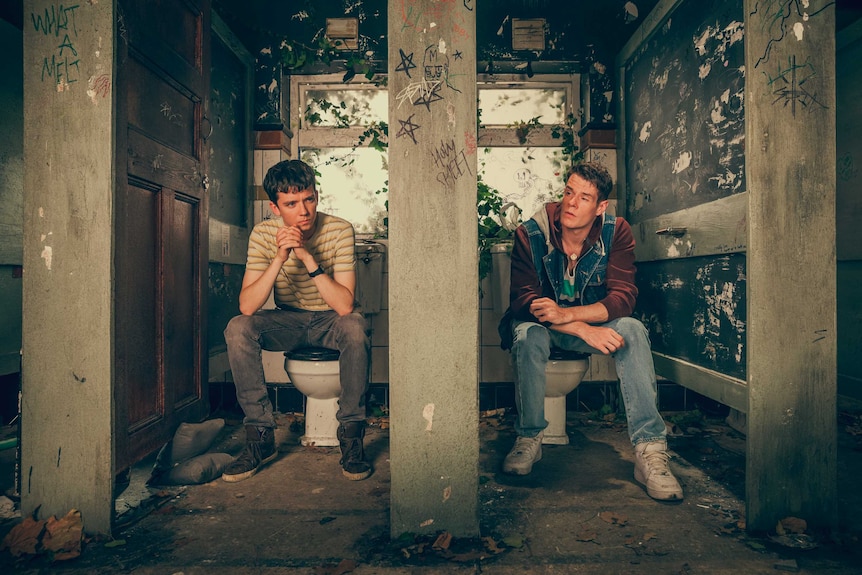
[(489, 205), (296, 55)]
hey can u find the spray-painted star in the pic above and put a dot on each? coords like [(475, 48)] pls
[(457, 55), (428, 98), (408, 128), (406, 63)]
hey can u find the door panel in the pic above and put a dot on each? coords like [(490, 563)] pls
[(181, 311), (161, 224), (682, 176), (138, 355), (166, 114)]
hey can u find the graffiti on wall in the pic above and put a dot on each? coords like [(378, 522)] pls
[(62, 65), (794, 83), (432, 76)]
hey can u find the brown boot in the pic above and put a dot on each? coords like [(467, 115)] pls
[(350, 438), (259, 450)]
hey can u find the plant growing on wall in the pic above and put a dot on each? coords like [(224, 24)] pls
[(296, 55), (522, 129), (571, 152)]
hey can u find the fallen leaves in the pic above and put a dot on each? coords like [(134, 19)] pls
[(459, 550), (790, 532), (791, 525), (61, 538), (23, 539), (613, 518)]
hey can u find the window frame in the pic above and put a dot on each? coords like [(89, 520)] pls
[(322, 136), (502, 135), (488, 136)]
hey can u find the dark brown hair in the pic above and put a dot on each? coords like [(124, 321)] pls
[(290, 176), (594, 173)]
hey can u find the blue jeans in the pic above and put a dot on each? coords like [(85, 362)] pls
[(289, 329), (530, 351)]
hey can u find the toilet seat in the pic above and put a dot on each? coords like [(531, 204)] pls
[(313, 354), (558, 354)]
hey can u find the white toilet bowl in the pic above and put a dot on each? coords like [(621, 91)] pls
[(563, 373), (314, 372)]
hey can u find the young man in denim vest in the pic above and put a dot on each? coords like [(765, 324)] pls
[(581, 300)]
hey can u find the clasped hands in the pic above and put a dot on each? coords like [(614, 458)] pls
[(289, 238), (603, 339)]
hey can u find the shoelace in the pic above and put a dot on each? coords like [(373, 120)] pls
[(526, 445), (250, 454), (353, 452), (656, 461)]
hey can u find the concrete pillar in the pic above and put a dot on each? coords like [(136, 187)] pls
[(433, 274), (66, 423), (791, 463)]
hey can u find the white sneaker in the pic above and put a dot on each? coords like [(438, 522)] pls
[(652, 471), (524, 454)]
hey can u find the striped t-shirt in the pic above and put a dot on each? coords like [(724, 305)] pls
[(332, 246)]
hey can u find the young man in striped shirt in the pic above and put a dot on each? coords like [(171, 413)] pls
[(307, 260)]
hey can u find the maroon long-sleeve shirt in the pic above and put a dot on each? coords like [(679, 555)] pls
[(621, 289)]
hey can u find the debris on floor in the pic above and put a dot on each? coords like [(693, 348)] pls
[(60, 538), (7, 508)]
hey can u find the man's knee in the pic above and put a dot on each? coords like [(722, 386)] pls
[(632, 330), (352, 329), (237, 327), (529, 335)]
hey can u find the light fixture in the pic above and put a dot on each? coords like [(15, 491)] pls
[(630, 12), (343, 33), (528, 34)]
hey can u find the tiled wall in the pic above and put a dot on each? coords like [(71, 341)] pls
[(263, 161)]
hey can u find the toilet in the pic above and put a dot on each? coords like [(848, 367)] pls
[(565, 369), (314, 372), (563, 373)]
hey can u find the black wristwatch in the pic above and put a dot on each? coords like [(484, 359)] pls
[(316, 272)]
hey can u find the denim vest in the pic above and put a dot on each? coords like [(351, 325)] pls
[(591, 268)]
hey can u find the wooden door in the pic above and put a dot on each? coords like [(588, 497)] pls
[(160, 258), (682, 176)]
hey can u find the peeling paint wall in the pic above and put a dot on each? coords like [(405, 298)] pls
[(685, 120), (695, 309)]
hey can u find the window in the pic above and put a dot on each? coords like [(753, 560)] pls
[(522, 141), (341, 134)]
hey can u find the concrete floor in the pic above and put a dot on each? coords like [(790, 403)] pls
[(580, 511)]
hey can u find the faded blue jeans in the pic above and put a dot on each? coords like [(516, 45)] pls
[(530, 351), (289, 329)]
